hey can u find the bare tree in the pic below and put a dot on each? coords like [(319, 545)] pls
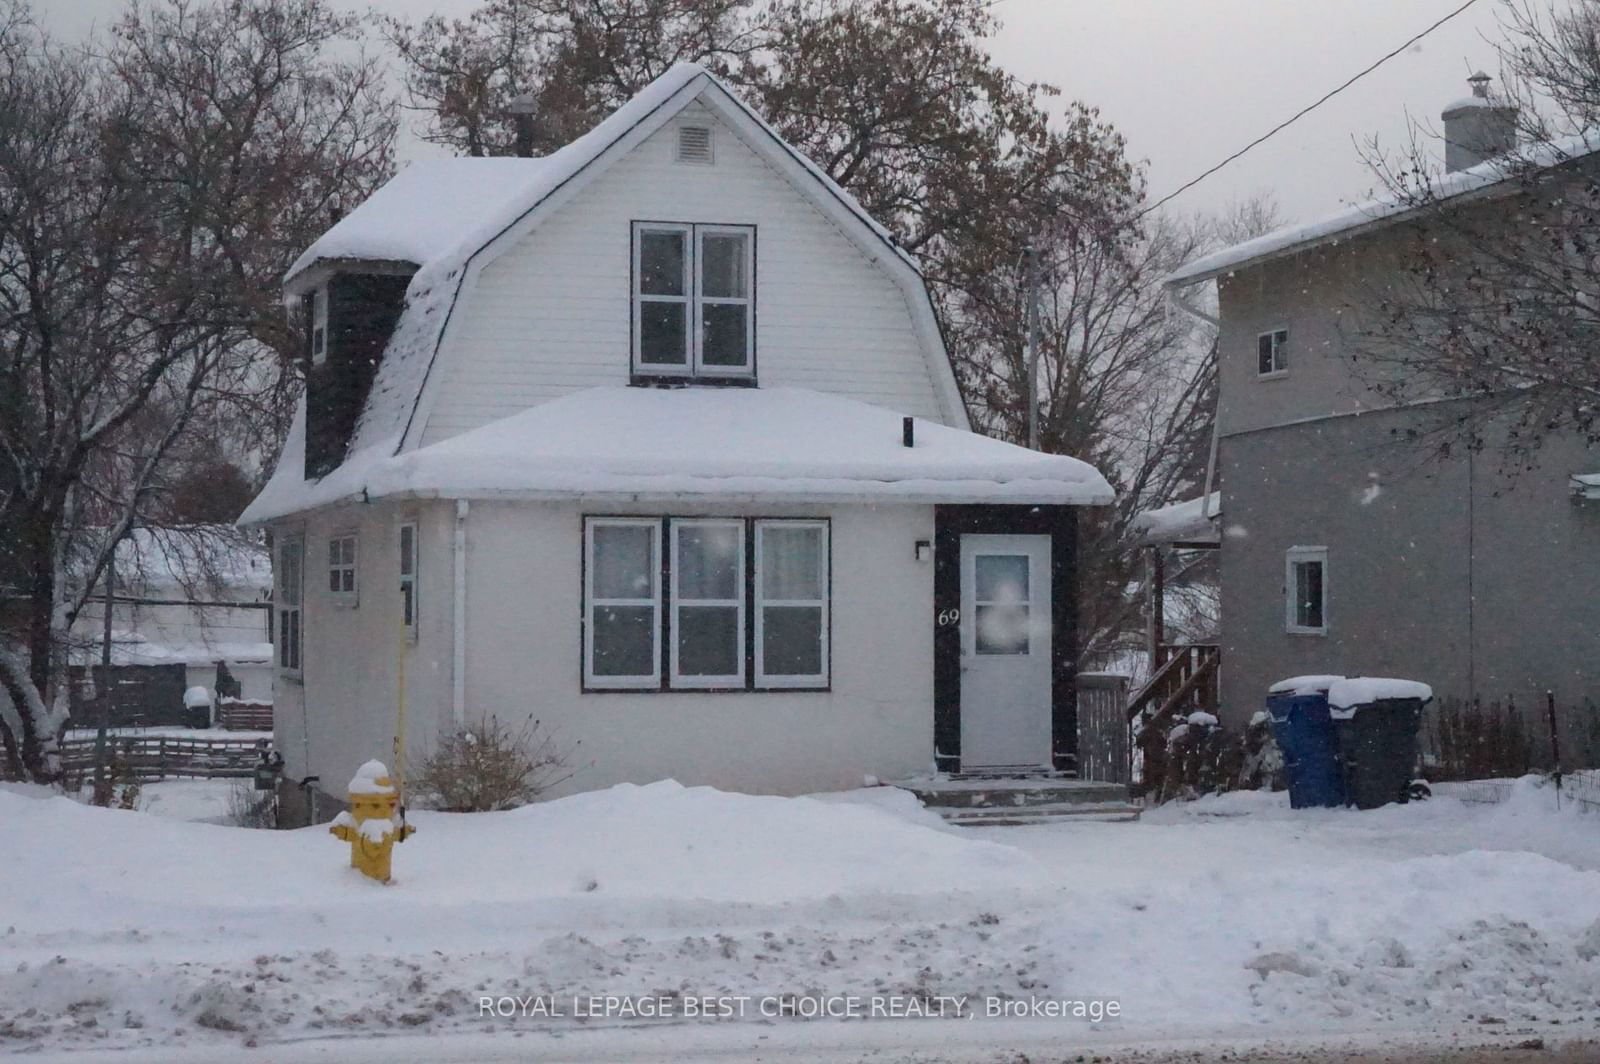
[(153, 193), (1498, 297)]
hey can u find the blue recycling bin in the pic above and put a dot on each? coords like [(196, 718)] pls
[(1305, 733)]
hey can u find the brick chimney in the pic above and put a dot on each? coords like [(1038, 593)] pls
[(1477, 128)]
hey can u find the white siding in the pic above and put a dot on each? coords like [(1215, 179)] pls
[(524, 657), (551, 315)]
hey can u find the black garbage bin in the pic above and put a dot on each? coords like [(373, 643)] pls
[(1376, 722)]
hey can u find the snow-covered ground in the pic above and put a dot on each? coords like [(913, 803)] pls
[(1231, 918)]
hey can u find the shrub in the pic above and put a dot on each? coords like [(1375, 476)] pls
[(491, 766)]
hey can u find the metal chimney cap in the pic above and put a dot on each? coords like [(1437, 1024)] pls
[(1480, 84), (525, 104)]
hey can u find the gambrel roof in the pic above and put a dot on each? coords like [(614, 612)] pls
[(449, 218)]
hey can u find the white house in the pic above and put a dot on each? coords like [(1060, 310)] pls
[(656, 439)]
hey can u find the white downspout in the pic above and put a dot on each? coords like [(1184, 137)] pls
[(1176, 297), (458, 646)]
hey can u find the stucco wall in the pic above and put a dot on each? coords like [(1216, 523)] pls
[(1453, 573), (523, 656)]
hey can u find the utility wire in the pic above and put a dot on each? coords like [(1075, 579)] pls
[(1286, 123)]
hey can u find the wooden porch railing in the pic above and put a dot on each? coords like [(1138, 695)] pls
[(1185, 678)]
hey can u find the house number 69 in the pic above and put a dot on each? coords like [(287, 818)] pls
[(948, 617)]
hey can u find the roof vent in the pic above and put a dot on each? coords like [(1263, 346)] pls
[(694, 144)]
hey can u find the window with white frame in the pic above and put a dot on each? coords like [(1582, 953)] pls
[(622, 592), (693, 300), (1306, 591), (342, 568), (791, 603), (1272, 353), (705, 603), (319, 326), (291, 556), (408, 579)]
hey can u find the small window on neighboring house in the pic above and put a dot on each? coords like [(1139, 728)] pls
[(408, 579), (1306, 591), (319, 326), (290, 563), (1272, 353), (694, 301), (342, 568), (694, 144)]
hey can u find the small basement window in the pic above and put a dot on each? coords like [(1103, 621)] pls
[(1306, 591), (342, 568), (1272, 355)]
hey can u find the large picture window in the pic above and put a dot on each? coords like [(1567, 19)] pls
[(693, 300), (705, 603)]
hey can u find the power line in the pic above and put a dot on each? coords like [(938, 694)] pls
[(1286, 123)]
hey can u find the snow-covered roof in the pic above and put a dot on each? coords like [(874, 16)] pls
[(190, 561), (1385, 210), (1191, 521), (132, 648), (663, 443)]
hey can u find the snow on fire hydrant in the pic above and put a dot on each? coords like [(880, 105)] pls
[(369, 827)]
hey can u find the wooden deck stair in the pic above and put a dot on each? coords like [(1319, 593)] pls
[(1185, 679)]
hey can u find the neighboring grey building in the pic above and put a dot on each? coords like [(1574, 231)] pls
[(1345, 550)]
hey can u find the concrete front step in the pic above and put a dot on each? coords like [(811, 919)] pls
[(1023, 816), (994, 793)]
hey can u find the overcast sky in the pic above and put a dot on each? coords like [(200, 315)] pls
[(1188, 82)]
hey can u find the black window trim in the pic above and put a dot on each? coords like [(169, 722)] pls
[(664, 619)]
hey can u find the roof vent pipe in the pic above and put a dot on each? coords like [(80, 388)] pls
[(908, 431), (522, 110), (1478, 127)]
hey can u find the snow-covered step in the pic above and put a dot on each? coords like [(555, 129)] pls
[(1020, 816), (1011, 792)]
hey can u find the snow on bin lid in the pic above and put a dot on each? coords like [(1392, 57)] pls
[(1303, 685), (1360, 690), (195, 697)]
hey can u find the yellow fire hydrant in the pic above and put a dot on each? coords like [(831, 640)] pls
[(369, 827)]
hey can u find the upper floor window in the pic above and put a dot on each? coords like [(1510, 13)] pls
[(693, 300), (1306, 591), (1272, 353), (319, 326)]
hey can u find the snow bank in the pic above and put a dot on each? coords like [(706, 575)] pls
[(1358, 691)]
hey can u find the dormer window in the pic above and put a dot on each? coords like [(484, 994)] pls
[(319, 326), (693, 301)]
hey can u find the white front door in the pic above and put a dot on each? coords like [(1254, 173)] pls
[(1005, 651)]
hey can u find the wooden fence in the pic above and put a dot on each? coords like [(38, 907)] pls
[(236, 714), (1103, 749), (150, 757)]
